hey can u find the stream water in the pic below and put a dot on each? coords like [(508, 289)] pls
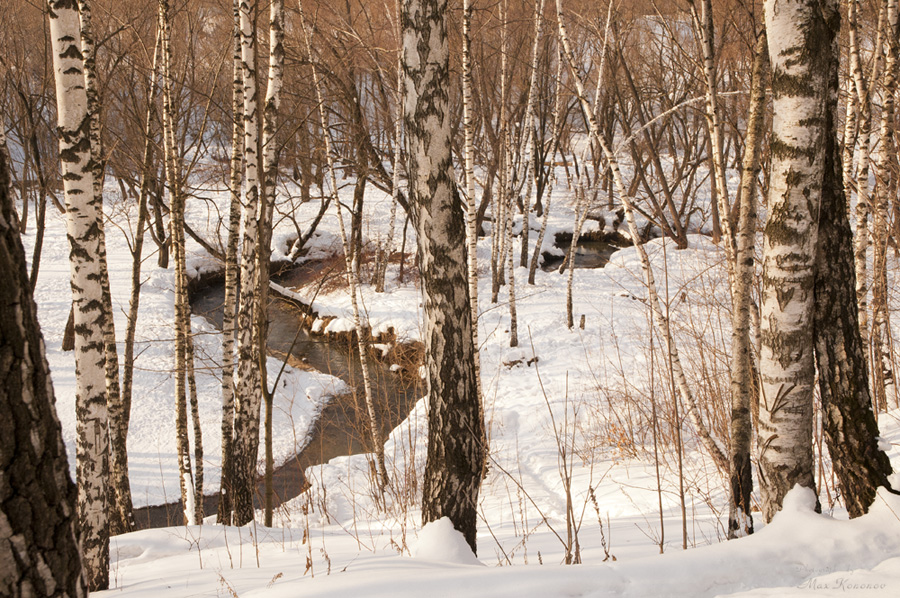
[(589, 253), (341, 428)]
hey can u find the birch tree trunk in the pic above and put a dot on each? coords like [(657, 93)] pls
[(851, 115), (800, 36), (248, 386), (582, 203), (39, 548), (500, 206), (351, 268), (508, 194), (383, 255), (137, 249), (860, 99), (396, 159), (83, 224), (231, 272), (456, 449), (43, 187), (197, 501), (270, 172), (851, 430), (704, 23), (581, 210), (743, 383), (471, 207), (527, 134), (659, 317), (122, 519), (554, 141), (881, 363), (182, 309)]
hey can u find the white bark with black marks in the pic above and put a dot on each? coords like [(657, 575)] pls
[(744, 386), (456, 449), (469, 173), (248, 387), (706, 32), (554, 141), (83, 216), (880, 338), (231, 271), (799, 41), (183, 348), (122, 517), (270, 180), (137, 248)]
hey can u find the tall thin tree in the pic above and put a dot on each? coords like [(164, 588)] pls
[(137, 245), (884, 189), (848, 420), (248, 385), (703, 22), (84, 213), (122, 519), (660, 318), (743, 382), (270, 180), (469, 173), (231, 269), (183, 353), (455, 428), (351, 270), (800, 40)]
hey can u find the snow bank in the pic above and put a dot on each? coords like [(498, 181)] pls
[(440, 542)]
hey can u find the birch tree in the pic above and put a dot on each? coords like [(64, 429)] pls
[(527, 136), (660, 318), (83, 216), (884, 189), (551, 180), (743, 382), (456, 449), (183, 347), (800, 34), (248, 386), (123, 515), (469, 174), (848, 420), (861, 98), (137, 245), (39, 549), (231, 270), (499, 220), (508, 196), (859, 117), (270, 174), (809, 287), (703, 21)]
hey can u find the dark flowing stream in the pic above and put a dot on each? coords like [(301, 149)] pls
[(341, 428), (589, 252)]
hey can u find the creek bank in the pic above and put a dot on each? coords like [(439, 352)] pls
[(341, 426), (593, 250)]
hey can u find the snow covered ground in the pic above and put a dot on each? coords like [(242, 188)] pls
[(578, 423)]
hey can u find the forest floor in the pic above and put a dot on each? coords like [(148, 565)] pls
[(584, 458)]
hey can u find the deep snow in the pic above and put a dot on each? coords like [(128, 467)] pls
[(587, 396)]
